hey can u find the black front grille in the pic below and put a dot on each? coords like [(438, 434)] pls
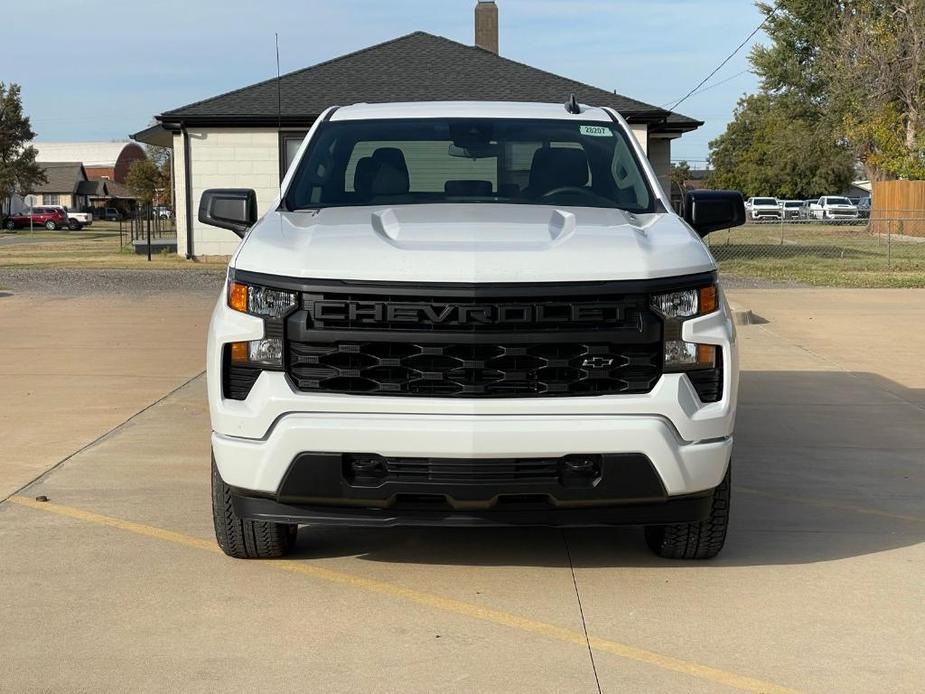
[(474, 341), (481, 370)]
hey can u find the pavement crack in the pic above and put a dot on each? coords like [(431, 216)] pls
[(581, 612), (99, 439)]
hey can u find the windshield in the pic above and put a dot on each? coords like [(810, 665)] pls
[(793, 203), (764, 201), (838, 201), (440, 160)]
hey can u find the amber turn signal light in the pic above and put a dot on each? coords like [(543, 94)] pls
[(708, 300), (237, 297), (239, 353)]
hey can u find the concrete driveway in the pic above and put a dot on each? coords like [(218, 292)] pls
[(116, 584)]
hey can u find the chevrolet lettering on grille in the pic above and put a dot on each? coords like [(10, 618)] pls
[(380, 312)]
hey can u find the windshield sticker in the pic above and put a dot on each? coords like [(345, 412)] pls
[(595, 131)]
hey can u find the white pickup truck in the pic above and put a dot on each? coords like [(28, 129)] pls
[(76, 220), (471, 313), (832, 208), (760, 209)]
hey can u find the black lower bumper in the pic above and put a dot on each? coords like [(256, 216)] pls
[(372, 490), (684, 509)]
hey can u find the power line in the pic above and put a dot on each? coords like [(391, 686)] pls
[(715, 84), (726, 60)]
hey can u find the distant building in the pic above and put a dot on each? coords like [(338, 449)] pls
[(66, 185), (101, 160)]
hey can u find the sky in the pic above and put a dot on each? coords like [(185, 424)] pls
[(113, 66)]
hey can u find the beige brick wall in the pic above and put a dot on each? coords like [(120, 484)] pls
[(660, 156), (224, 158), (642, 134)]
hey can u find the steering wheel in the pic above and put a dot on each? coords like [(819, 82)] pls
[(570, 189)]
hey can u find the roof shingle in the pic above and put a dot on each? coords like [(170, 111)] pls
[(62, 177), (415, 67)]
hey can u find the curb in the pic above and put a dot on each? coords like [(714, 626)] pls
[(745, 316)]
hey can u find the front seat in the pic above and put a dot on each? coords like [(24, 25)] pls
[(391, 176), (557, 167)]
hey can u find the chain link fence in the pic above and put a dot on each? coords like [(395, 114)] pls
[(884, 248)]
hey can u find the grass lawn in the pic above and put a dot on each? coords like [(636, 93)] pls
[(95, 247), (822, 255)]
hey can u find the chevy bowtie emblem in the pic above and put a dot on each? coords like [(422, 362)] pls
[(597, 362)]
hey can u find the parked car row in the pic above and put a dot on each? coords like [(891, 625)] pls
[(49, 216), (828, 208)]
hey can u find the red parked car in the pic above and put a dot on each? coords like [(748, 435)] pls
[(49, 217)]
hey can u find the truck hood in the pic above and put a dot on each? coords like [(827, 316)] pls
[(472, 243)]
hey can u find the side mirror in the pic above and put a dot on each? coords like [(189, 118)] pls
[(229, 208), (709, 210)]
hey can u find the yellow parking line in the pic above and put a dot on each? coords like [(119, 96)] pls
[(835, 505), (431, 600)]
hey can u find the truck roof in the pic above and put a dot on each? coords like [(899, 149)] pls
[(467, 109)]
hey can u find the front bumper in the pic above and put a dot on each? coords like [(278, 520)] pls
[(256, 440)]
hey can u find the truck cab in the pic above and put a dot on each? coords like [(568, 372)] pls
[(468, 314)]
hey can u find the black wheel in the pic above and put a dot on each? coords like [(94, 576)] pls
[(246, 539), (74, 225), (51, 226), (10, 224), (702, 540)]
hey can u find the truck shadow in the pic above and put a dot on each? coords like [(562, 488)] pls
[(827, 465)]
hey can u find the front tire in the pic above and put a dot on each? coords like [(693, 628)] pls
[(702, 540), (10, 224), (246, 539), (74, 225), (51, 226)]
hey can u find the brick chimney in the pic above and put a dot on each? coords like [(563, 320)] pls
[(486, 25)]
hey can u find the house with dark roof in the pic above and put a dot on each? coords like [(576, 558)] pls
[(65, 185), (248, 137)]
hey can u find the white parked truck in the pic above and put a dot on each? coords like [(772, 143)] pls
[(471, 313), (763, 209), (832, 208)]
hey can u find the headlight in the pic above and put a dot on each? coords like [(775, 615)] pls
[(260, 301), (270, 304), (687, 303), (267, 352), (676, 307)]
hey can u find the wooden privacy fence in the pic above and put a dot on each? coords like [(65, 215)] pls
[(898, 208)]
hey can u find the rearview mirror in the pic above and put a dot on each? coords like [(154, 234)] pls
[(229, 208), (710, 210)]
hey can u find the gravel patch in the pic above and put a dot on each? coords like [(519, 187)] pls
[(71, 281)]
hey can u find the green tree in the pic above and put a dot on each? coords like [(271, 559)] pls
[(773, 147), (147, 180), (875, 65), (680, 174), (855, 69), (19, 172)]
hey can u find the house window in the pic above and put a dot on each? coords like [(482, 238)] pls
[(289, 143), (51, 199)]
